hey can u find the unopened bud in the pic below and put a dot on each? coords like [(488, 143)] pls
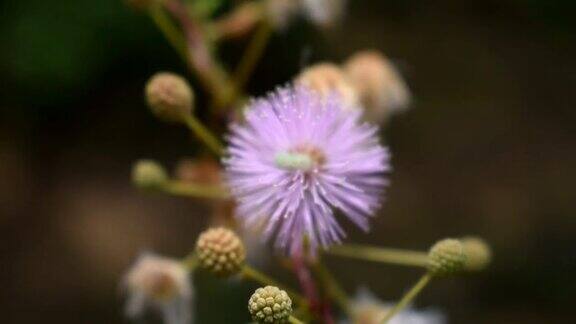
[(270, 305), (169, 96), (380, 86), (328, 79), (446, 257), (148, 174), (220, 251), (478, 253)]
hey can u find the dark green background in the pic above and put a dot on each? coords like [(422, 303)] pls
[(489, 149)]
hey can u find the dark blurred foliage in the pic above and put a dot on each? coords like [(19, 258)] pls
[(488, 149)]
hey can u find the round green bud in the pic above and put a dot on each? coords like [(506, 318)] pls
[(148, 174), (446, 257), (169, 97), (270, 305), (478, 253), (220, 251)]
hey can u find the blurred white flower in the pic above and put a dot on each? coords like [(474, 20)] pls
[(161, 283), (323, 13), (368, 309), (382, 90), (328, 79)]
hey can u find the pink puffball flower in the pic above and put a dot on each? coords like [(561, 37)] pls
[(296, 159)]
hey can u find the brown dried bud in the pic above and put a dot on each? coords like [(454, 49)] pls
[(380, 87), (328, 79), (169, 96)]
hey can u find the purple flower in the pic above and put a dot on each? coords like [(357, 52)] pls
[(297, 158)]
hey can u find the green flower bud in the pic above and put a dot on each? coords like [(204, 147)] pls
[(220, 251), (446, 257), (478, 253), (148, 174), (169, 97), (270, 305)]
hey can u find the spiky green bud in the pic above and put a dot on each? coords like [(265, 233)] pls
[(220, 251), (446, 257), (270, 305)]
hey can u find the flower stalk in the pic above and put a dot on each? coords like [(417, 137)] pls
[(204, 135), (384, 255), (332, 287), (409, 297), (250, 58), (294, 320), (178, 188), (253, 274)]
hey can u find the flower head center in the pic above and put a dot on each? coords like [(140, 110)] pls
[(303, 158)]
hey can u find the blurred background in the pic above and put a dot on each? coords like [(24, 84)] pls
[(488, 149)]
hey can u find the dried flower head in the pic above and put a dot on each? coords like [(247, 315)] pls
[(446, 257), (327, 79), (220, 251), (148, 174), (296, 158), (368, 309), (478, 253), (270, 305), (169, 96), (381, 88), (161, 283)]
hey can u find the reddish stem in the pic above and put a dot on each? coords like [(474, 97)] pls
[(310, 290), (200, 56)]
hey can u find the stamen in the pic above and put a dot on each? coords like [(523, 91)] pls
[(294, 161)]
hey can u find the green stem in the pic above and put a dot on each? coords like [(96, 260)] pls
[(251, 56), (408, 297), (258, 276), (204, 134), (210, 73), (386, 255), (294, 320), (190, 261), (332, 287), (170, 31), (194, 190)]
